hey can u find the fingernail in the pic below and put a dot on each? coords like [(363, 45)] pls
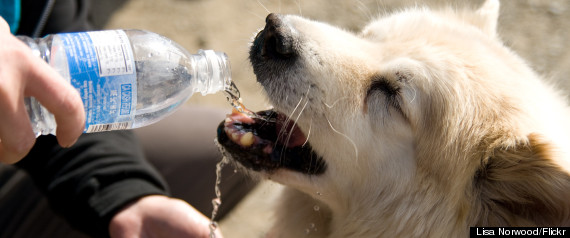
[(70, 144)]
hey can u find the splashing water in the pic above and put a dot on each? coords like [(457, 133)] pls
[(217, 201), (234, 98)]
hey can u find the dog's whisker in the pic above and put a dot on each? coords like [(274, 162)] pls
[(297, 119), (364, 9), (414, 97), (308, 133), (257, 16), (295, 123), (306, 96), (334, 103), (289, 117), (286, 122), (262, 5), (298, 2), (303, 98), (382, 9), (346, 137)]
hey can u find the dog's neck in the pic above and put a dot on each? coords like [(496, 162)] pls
[(405, 213)]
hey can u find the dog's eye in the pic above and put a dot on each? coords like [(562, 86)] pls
[(390, 90), (385, 86)]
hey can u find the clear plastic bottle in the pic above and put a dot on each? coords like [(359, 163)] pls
[(126, 78)]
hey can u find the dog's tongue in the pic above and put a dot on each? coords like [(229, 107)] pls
[(238, 116), (289, 130), (249, 129)]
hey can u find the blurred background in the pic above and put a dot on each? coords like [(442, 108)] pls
[(538, 30)]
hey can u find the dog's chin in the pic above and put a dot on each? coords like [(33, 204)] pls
[(268, 142)]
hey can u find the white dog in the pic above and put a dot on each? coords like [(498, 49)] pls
[(422, 125)]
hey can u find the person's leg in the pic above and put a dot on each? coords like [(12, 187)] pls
[(182, 148)]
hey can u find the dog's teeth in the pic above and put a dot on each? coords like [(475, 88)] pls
[(246, 139), (235, 136)]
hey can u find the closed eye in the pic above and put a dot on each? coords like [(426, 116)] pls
[(390, 90), (385, 86)]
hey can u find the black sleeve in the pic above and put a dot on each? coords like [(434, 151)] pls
[(89, 182), (65, 16)]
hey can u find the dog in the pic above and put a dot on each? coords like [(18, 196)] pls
[(422, 125)]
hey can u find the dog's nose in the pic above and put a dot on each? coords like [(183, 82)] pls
[(277, 38)]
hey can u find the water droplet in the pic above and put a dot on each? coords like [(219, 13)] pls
[(235, 171), (307, 231), (316, 208), (216, 202), (312, 225), (213, 227), (233, 96), (319, 193)]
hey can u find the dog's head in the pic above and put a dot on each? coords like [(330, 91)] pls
[(422, 111)]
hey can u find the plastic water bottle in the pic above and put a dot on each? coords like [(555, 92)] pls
[(127, 78)]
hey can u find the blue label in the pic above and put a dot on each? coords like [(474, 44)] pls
[(126, 98), (101, 68)]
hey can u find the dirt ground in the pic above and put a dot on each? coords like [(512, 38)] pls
[(538, 30)]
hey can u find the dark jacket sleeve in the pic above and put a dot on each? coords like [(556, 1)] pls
[(65, 16), (89, 182)]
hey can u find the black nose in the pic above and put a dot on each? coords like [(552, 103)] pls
[(276, 39)]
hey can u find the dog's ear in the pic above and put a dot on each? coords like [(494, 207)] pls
[(488, 16), (522, 185)]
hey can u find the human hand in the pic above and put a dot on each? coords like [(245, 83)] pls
[(23, 74), (160, 216)]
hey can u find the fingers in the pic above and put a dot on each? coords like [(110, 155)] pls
[(16, 136), (4, 27), (23, 74), (61, 99), (160, 216)]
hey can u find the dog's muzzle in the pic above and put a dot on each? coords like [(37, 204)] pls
[(275, 41)]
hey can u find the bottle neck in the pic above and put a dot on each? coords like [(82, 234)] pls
[(213, 71), (40, 46)]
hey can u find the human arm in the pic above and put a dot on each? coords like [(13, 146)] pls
[(91, 181), (103, 185)]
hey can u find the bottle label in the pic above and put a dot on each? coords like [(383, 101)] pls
[(102, 68)]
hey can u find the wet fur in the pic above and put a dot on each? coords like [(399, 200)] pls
[(428, 126)]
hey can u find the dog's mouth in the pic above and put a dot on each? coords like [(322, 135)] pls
[(267, 142)]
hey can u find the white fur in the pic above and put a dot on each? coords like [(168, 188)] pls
[(409, 174)]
